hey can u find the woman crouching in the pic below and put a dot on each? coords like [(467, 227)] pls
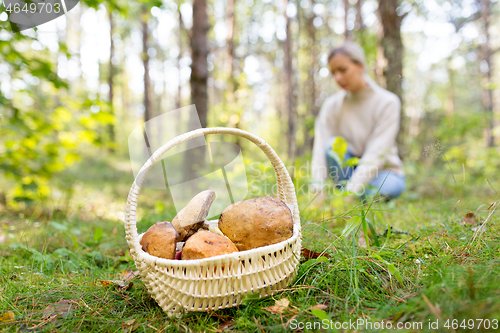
[(367, 117)]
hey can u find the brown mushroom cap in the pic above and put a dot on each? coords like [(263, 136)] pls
[(206, 244), (257, 222), (191, 217), (160, 240)]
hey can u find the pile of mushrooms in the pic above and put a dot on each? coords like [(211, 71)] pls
[(242, 226)]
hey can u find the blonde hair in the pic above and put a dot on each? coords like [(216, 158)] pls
[(352, 50)]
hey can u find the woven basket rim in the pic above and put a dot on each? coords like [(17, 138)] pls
[(152, 260)]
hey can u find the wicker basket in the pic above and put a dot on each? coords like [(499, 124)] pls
[(222, 281)]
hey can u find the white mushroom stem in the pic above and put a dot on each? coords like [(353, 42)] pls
[(212, 226), (179, 246), (191, 217)]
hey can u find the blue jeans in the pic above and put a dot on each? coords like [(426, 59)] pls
[(386, 183)]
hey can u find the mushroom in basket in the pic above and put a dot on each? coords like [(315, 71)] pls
[(257, 222), (160, 240)]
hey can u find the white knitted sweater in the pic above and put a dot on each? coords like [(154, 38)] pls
[(369, 121)]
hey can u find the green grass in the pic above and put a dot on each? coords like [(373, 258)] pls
[(437, 269)]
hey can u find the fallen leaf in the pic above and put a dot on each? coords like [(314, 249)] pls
[(118, 284), (129, 325), (61, 308), (318, 307), (469, 219), (226, 325), (123, 281), (129, 275), (308, 254), (320, 314), (280, 305), (283, 302), (106, 283), (7, 316)]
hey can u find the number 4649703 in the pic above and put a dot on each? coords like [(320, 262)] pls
[(34, 8), (472, 324)]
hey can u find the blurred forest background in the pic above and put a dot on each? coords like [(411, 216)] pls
[(74, 88)]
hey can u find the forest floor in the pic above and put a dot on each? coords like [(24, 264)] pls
[(435, 270)]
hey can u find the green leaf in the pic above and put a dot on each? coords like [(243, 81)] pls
[(159, 207), (58, 226), (352, 224), (309, 263), (322, 259), (98, 233), (249, 298), (320, 314), (42, 258), (374, 234), (394, 271), (340, 147), (390, 267), (75, 243), (353, 161)]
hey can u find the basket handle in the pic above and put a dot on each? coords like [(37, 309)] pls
[(286, 189)]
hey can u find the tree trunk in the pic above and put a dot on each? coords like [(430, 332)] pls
[(111, 127), (232, 82), (392, 48), (487, 57), (359, 17), (198, 81), (347, 33), (392, 45), (145, 59), (290, 85), (311, 81), (74, 44), (449, 105), (230, 27), (359, 27), (62, 39), (380, 59), (199, 65), (178, 102)]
